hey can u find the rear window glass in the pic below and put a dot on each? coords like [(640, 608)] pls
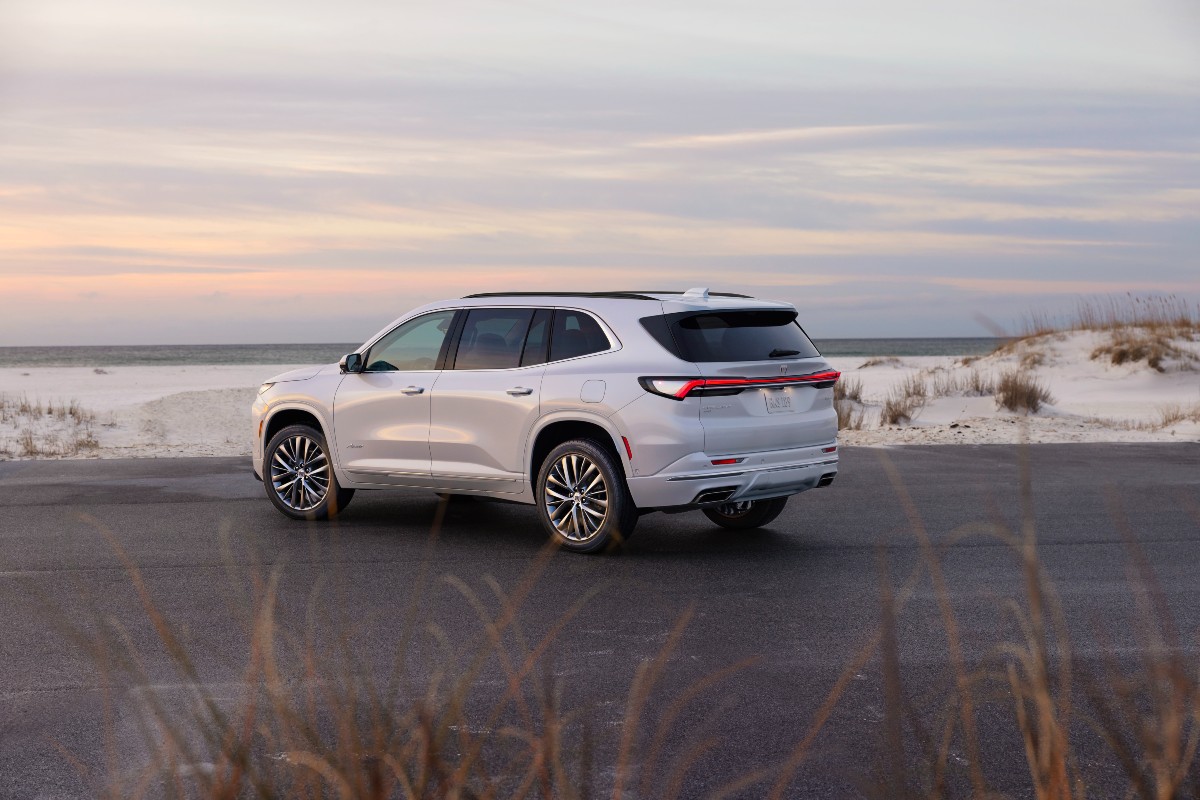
[(576, 334), (750, 335)]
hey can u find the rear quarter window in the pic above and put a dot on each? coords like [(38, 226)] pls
[(716, 336)]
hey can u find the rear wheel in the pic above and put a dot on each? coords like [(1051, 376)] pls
[(299, 477), (582, 498), (746, 514)]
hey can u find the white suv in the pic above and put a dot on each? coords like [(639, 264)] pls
[(595, 407)]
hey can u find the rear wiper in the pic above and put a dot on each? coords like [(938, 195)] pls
[(777, 353)]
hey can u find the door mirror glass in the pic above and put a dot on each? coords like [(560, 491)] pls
[(351, 362)]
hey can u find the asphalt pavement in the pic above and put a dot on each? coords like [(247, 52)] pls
[(795, 601)]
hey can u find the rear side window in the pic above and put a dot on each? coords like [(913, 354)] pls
[(576, 334), (492, 338), (750, 335)]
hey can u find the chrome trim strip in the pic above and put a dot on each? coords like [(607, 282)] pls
[(800, 466), (709, 475), (512, 479), (379, 473), (784, 468)]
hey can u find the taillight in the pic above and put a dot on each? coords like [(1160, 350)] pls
[(680, 388), (674, 388)]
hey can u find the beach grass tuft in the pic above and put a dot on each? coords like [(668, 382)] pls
[(848, 403), (1020, 391), (1156, 347)]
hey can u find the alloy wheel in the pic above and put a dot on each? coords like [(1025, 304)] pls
[(576, 497), (300, 473)]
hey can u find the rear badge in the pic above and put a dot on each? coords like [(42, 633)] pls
[(783, 369)]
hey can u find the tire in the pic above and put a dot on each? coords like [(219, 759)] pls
[(601, 515), (314, 496), (746, 514)]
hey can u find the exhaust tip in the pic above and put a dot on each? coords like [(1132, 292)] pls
[(719, 495), (826, 479)]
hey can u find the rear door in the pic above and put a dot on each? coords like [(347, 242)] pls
[(757, 344), (486, 402)]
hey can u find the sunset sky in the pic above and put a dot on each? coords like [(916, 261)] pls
[(271, 171)]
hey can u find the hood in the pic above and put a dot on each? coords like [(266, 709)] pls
[(302, 374)]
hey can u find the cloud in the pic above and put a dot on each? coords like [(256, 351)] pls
[(816, 133), (673, 146)]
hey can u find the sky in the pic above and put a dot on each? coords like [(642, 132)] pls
[(237, 172)]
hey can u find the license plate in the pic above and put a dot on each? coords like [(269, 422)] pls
[(778, 402)]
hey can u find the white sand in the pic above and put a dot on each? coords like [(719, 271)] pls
[(1092, 399), (175, 411), (143, 411)]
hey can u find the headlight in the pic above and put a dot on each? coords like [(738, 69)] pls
[(264, 387)]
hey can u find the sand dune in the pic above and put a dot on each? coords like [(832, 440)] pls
[(194, 410)]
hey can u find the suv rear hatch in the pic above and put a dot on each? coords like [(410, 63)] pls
[(765, 386)]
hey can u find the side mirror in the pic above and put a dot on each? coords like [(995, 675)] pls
[(351, 362)]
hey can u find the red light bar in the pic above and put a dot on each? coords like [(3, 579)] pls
[(829, 376), (628, 449), (720, 462)]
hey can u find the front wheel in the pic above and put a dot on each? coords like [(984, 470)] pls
[(299, 477), (745, 514), (582, 498)]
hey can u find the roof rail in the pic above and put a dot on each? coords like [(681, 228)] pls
[(710, 294), (607, 295), (638, 294)]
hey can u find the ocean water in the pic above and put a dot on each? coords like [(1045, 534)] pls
[(218, 354)]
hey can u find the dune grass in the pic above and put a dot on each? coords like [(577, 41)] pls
[(1019, 391), (905, 401), (1150, 329), (848, 403), (1167, 314), (31, 429)]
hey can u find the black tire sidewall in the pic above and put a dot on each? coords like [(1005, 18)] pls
[(335, 499), (763, 512), (622, 513)]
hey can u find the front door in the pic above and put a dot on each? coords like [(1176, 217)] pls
[(381, 415), (487, 400)]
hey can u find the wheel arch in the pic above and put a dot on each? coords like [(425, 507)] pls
[(556, 430), (293, 414)]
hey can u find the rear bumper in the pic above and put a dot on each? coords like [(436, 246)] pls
[(694, 480)]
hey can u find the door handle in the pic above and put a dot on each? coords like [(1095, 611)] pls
[(412, 390), (518, 391)]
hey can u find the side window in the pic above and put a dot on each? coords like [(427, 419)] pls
[(412, 346), (492, 338), (538, 338), (576, 334)]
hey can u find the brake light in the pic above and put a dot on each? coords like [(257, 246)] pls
[(680, 388)]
